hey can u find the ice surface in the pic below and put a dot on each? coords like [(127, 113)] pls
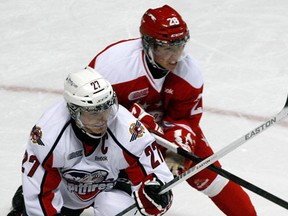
[(241, 45)]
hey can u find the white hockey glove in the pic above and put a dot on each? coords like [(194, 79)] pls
[(148, 199), (184, 139), (146, 119)]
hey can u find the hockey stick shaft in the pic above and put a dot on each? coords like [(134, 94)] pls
[(232, 146), (213, 158), (174, 148)]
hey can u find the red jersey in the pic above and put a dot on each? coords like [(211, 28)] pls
[(175, 98)]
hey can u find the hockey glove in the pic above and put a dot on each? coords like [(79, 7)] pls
[(146, 119), (184, 139), (14, 213), (148, 199), (17, 203)]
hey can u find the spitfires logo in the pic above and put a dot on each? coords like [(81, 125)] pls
[(86, 185), (137, 130), (36, 135)]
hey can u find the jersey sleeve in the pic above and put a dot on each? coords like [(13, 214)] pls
[(40, 180), (140, 150), (40, 167), (150, 161)]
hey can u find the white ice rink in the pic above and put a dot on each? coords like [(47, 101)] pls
[(242, 46)]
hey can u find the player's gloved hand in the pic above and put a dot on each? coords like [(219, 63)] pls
[(14, 213), (17, 203), (148, 199), (146, 119), (175, 162), (184, 139)]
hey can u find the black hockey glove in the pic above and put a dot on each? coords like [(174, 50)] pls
[(14, 213), (148, 199), (17, 203)]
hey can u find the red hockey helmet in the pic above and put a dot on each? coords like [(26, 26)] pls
[(164, 25)]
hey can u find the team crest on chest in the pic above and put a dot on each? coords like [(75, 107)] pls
[(36, 135), (136, 130), (86, 185), (138, 94)]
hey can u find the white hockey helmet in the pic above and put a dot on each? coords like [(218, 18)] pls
[(91, 101)]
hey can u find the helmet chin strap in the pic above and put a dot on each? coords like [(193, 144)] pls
[(94, 136), (150, 58), (155, 69), (91, 135)]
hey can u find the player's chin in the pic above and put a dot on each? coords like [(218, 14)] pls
[(171, 65), (96, 131)]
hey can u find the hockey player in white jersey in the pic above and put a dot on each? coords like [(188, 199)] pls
[(79, 149)]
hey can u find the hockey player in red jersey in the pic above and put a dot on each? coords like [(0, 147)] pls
[(154, 76), (78, 148)]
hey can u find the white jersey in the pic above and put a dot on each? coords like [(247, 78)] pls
[(60, 170)]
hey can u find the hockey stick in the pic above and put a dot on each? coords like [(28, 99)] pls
[(210, 160), (176, 149)]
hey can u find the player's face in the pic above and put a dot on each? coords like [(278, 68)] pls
[(168, 56), (94, 123)]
